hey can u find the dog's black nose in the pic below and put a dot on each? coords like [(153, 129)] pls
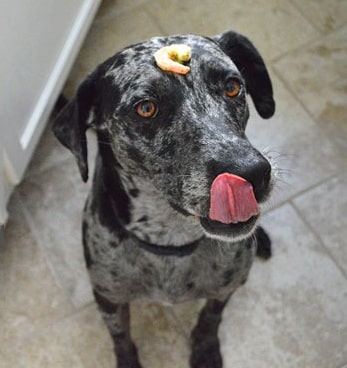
[(254, 168), (258, 172)]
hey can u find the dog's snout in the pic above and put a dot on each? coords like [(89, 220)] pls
[(258, 173), (253, 167)]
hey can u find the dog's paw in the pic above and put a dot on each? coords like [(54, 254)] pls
[(263, 244), (206, 354), (128, 357)]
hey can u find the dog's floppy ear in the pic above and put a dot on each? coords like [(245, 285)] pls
[(251, 65), (72, 122)]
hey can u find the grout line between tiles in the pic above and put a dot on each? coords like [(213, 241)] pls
[(298, 48), (294, 95), (319, 238), (300, 193), (322, 32), (307, 44), (308, 112), (298, 9), (54, 321)]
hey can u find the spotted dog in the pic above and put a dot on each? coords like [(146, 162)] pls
[(173, 210)]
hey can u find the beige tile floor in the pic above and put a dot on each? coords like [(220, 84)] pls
[(293, 311)]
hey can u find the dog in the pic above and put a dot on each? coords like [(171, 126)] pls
[(173, 210)]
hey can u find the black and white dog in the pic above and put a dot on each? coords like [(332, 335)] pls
[(172, 214)]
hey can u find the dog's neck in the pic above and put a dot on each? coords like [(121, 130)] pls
[(152, 218)]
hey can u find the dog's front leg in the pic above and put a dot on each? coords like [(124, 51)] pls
[(205, 344), (117, 319), (263, 243)]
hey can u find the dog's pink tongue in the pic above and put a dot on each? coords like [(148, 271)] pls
[(232, 199)]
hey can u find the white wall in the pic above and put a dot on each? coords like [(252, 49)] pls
[(39, 40)]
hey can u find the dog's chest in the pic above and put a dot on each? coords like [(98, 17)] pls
[(181, 280), (121, 270), (128, 272)]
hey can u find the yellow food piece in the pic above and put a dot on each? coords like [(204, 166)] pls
[(170, 58), (180, 53)]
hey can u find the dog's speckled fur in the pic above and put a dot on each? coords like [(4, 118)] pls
[(151, 188)]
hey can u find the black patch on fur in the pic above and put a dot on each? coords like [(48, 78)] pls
[(114, 273), (263, 244), (135, 155), (104, 304), (228, 277), (190, 285), (114, 244), (179, 209), (147, 271), (238, 255), (168, 147), (87, 256), (113, 209), (134, 192), (109, 193), (249, 243)]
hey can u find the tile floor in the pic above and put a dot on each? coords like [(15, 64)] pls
[(293, 311)]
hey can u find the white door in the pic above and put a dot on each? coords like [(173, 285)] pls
[(39, 40)]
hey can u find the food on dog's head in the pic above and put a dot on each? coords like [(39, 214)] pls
[(171, 58)]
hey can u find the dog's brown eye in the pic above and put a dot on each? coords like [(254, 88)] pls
[(232, 88), (146, 109)]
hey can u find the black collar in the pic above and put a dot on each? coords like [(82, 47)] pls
[(167, 250)]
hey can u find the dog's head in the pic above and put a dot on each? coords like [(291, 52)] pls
[(184, 133)]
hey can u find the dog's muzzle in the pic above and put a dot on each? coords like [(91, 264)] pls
[(232, 199)]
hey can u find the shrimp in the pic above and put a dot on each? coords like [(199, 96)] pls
[(170, 58)]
